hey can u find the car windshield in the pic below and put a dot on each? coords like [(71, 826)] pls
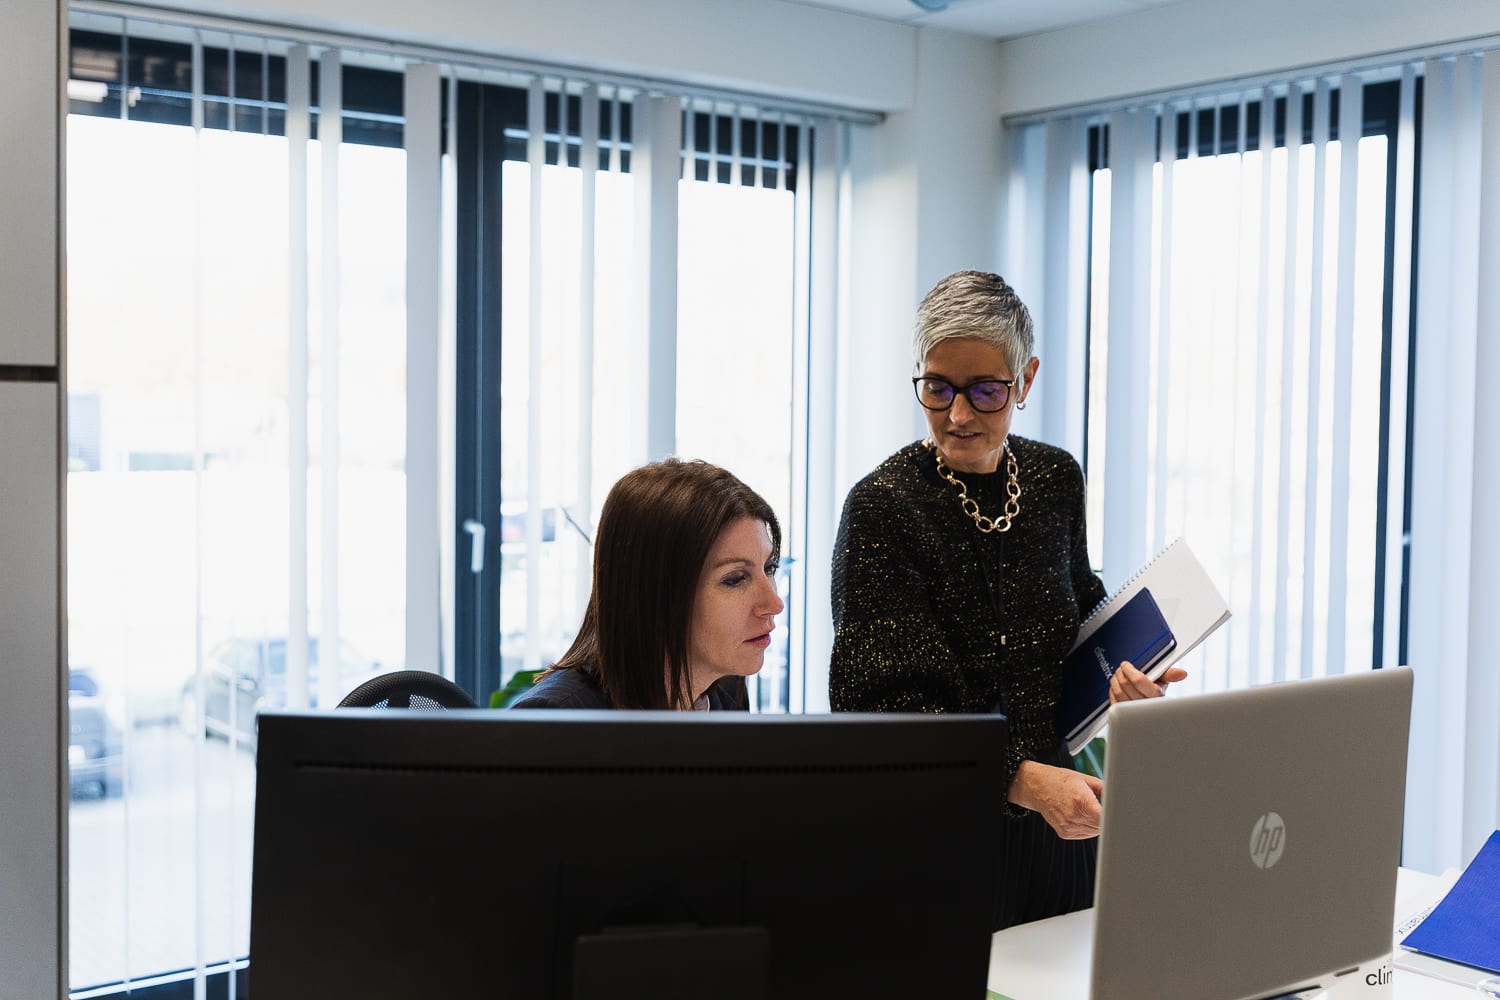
[(81, 682)]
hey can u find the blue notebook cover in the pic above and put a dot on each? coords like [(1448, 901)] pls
[(1465, 926), (1137, 633)]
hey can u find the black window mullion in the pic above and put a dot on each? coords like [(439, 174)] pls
[(482, 120)]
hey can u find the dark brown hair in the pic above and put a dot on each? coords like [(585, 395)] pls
[(655, 532)]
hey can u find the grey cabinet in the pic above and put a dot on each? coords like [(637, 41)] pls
[(31, 707), (30, 129), (32, 820)]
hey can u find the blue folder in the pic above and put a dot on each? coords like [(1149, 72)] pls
[(1465, 926), (1136, 632)]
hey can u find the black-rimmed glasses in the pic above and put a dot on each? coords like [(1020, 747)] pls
[(987, 395)]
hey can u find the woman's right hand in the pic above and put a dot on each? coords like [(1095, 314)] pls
[(1068, 800)]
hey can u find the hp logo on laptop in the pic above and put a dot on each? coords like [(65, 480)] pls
[(1267, 840)]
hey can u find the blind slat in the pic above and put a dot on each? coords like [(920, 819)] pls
[(1463, 443), (1262, 321), (736, 168), (1132, 154), (330, 138), (588, 162), (1482, 784), (1422, 842), (1351, 125), (1401, 285), (1061, 241), (1312, 427), (422, 138), (536, 161), (1281, 644), (298, 132), (1167, 157)]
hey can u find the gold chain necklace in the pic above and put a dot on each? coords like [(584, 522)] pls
[(971, 506)]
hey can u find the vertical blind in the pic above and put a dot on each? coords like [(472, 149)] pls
[(746, 362), (283, 424), (1454, 785), (1236, 344), (212, 170), (646, 281)]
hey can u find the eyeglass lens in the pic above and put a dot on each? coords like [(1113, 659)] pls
[(986, 396)]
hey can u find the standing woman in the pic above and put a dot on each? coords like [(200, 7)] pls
[(684, 596), (960, 577)]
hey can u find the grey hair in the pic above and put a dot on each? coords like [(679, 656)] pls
[(974, 304)]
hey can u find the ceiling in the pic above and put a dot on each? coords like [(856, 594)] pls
[(992, 18)]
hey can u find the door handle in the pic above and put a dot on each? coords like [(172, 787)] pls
[(476, 545)]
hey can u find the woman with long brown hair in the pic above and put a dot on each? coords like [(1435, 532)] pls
[(683, 598)]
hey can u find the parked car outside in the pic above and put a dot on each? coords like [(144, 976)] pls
[(245, 674), (96, 760), (82, 683)]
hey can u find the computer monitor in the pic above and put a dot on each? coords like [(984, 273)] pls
[(1251, 838), (583, 855)]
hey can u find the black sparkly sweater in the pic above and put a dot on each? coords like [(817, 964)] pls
[(932, 615)]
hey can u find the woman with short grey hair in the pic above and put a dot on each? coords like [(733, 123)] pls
[(979, 305), (960, 577)]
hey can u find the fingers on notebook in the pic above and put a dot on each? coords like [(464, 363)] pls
[(1129, 684), (1172, 676)]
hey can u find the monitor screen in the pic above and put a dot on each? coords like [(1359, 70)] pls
[(583, 855)]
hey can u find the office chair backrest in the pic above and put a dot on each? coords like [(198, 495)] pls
[(421, 690)]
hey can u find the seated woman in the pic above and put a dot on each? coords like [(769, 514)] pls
[(684, 596)]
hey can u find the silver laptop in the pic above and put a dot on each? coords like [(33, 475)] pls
[(1250, 839)]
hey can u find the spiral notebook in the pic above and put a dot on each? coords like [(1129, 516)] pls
[(1189, 604), (1137, 633)]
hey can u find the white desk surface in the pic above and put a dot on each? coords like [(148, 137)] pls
[(1049, 959)]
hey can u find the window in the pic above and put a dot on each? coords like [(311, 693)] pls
[(179, 539), (736, 325), (560, 333), (1256, 291), (239, 411), (1268, 399)]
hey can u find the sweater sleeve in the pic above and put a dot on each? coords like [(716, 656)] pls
[(889, 654), (889, 650)]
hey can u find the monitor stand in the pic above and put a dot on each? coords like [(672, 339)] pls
[(670, 962)]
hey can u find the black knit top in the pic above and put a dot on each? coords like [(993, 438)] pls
[(932, 615)]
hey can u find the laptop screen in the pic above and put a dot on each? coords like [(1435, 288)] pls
[(1250, 839)]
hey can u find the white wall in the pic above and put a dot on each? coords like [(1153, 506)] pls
[(926, 189), (1200, 41), (788, 49)]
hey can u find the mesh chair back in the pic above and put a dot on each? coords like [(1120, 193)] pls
[(420, 690)]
